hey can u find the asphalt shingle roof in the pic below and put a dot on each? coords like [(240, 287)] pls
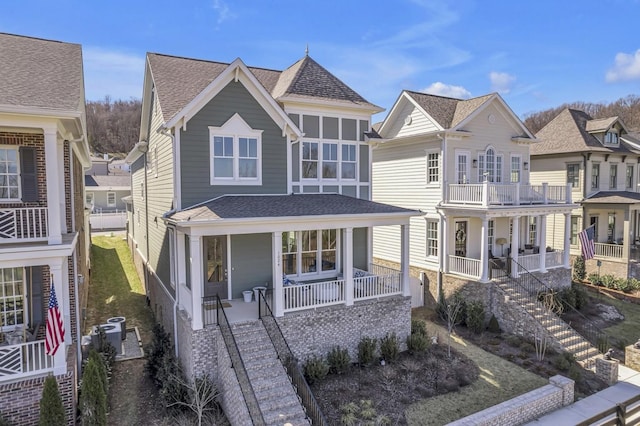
[(107, 180), (448, 112), (40, 73), (263, 206), (600, 124), (613, 197)]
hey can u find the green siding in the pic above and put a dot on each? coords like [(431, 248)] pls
[(349, 190), (311, 126), (194, 147), (251, 262), (329, 128), (364, 163), (360, 248), (295, 118), (295, 189), (311, 189), (364, 127), (349, 129), (295, 162)]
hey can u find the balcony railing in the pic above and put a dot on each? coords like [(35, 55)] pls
[(23, 224), (609, 250), (24, 359), (379, 281), (464, 266), (312, 295), (499, 194)]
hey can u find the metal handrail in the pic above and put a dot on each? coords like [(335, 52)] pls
[(533, 286), (238, 366), (290, 362)]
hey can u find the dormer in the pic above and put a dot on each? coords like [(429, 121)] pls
[(606, 130)]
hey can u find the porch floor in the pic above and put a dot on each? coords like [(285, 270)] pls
[(241, 311)]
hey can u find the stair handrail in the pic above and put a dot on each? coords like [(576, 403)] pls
[(289, 362), (591, 330), (238, 366)]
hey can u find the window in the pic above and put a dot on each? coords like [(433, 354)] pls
[(490, 232), (11, 296), (574, 230), (348, 161), (516, 160), (172, 257), (611, 228), (310, 160), (302, 252), (142, 190), (236, 152), (289, 253), (111, 199), (629, 179), (309, 243), (595, 176), (432, 238), (329, 160), (611, 137), (433, 167), (573, 175), (88, 198), (9, 174), (328, 249), (613, 176), (489, 166), (533, 231)]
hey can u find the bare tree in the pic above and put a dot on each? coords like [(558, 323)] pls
[(451, 314), (540, 342), (202, 396), (113, 126)]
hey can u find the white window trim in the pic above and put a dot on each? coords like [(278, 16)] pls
[(25, 305), (341, 161), (482, 165), (439, 167), (91, 196), (115, 202), (321, 160), (318, 272), (17, 150), (236, 128), (633, 176), (427, 239), (511, 169), (613, 183)]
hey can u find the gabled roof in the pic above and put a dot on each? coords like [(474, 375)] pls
[(613, 197), (278, 206), (567, 133), (107, 181), (41, 74), (600, 124)]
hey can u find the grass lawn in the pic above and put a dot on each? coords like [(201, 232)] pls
[(625, 332), (499, 381)]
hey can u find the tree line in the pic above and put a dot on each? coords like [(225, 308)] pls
[(113, 126)]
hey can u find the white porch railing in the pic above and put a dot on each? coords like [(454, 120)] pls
[(554, 259), (608, 250), (24, 359), (379, 281), (312, 295), (529, 262), (464, 266), (488, 194), (23, 224)]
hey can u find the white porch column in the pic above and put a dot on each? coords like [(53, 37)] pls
[(567, 241), (278, 293), (484, 251), (543, 243), (626, 236), (348, 265), (404, 259), (62, 204), (54, 175), (197, 281), (60, 357), (444, 241), (515, 244)]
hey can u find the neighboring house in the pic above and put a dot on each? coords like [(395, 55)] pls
[(43, 155), (598, 159), (99, 165), (250, 177), (104, 193)]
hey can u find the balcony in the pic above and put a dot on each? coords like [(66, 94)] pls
[(24, 359), (509, 194), (28, 224)]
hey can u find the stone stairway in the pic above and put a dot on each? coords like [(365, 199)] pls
[(276, 396), (569, 339)]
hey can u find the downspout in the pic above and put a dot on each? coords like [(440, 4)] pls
[(443, 255), (78, 331)]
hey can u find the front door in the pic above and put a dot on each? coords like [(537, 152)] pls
[(216, 255), (593, 221), (461, 238)]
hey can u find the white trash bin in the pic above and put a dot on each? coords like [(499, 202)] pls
[(247, 294), (257, 290)]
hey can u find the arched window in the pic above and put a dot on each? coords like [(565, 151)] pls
[(490, 166)]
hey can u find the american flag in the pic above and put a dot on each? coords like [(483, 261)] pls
[(586, 237), (55, 327)]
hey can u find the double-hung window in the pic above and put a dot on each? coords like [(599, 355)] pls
[(573, 175), (348, 161), (433, 167), (613, 176), (432, 238), (516, 167), (329, 160), (533, 230), (611, 137), (12, 296), (595, 176), (574, 230), (629, 179), (310, 160), (308, 252), (9, 174), (111, 199), (236, 152)]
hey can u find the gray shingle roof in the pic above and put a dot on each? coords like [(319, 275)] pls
[(41, 73), (448, 112), (106, 181), (179, 80), (295, 205), (613, 197), (567, 132), (600, 124)]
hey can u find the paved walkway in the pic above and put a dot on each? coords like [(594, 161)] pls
[(627, 387)]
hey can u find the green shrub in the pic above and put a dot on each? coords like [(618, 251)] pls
[(367, 350), (155, 352), (568, 298), (101, 365), (563, 361), (609, 281), (579, 269), (634, 284), (513, 340), (315, 369), (93, 399), (418, 327), (106, 349), (582, 298), (51, 408), (475, 316), (494, 326), (417, 343), (595, 279), (173, 387), (527, 347), (339, 360), (362, 414), (389, 347)]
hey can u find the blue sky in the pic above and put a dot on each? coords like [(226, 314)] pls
[(537, 54)]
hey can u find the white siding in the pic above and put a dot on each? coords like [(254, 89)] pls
[(419, 122)]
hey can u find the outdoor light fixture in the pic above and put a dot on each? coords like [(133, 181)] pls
[(475, 164), (526, 165)]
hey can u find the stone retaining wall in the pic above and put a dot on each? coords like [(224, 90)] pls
[(524, 408), (632, 357)]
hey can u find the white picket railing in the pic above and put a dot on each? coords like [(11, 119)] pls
[(465, 193), (464, 266), (24, 359), (554, 259), (530, 262), (381, 281), (487, 194), (23, 224), (304, 295), (609, 250)]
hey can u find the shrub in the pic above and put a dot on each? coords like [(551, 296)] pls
[(101, 365), (389, 347), (494, 326), (418, 327), (338, 360), (609, 281), (568, 298), (579, 269), (443, 311), (513, 340), (366, 350), (563, 361), (595, 279), (417, 343), (475, 316), (634, 284), (315, 369), (360, 414), (160, 344), (93, 399), (173, 387), (51, 408), (106, 349), (581, 296), (527, 347)]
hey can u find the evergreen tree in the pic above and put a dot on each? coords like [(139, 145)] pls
[(93, 399), (51, 408), (579, 269)]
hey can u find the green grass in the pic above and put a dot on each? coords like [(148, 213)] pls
[(626, 332), (499, 381), (115, 288)]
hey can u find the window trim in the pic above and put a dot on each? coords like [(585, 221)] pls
[(172, 257), (25, 304), (498, 160), (611, 137), (89, 195), (613, 178), (17, 174), (595, 183), (629, 177), (342, 161), (577, 175), (430, 168), (319, 271), (519, 169), (115, 202), (235, 128), (432, 242), (573, 236)]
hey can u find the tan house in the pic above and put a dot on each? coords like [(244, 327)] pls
[(598, 159)]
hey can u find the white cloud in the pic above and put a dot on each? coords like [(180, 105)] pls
[(626, 67), (223, 11), (442, 89), (501, 82), (111, 72)]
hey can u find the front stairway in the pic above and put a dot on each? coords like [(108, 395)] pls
[(523, 290), (276, 396)]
